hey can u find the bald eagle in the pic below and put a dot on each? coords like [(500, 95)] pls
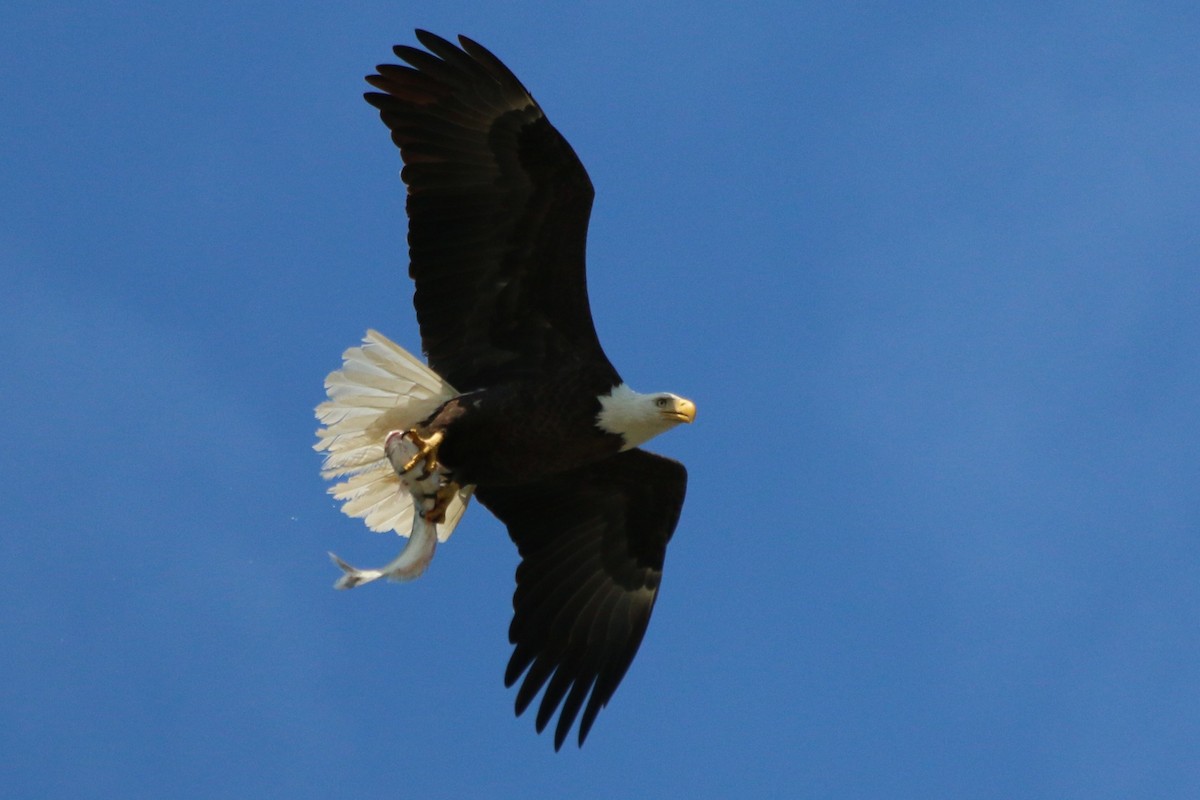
[(518, 406)]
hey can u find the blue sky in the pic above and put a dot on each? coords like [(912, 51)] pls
[(929, 270)]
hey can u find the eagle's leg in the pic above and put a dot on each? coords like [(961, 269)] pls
[(441, 501), (426, 450)]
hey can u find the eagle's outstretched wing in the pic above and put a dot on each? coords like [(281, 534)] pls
[(498, 207), (592, 543)]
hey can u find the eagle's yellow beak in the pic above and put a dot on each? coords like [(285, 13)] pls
[(684, 410)]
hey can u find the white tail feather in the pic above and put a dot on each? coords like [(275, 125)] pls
[(380, 388)]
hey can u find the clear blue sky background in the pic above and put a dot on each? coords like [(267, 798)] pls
[(931, 272)]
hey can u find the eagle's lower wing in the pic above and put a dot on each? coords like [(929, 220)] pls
[(498, 207), (592, 543)]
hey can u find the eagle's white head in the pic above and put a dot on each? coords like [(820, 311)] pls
[(637, 418)]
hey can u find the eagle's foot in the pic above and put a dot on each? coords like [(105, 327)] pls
[(441, 501), (426, 452)]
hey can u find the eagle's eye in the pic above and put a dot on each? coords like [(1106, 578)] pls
[(661, 402)]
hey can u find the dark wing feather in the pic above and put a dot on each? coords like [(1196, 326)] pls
[(498, 208), (592, 543)]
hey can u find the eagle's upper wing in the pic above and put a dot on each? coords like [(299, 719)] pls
[(498, 207), (592, 543)]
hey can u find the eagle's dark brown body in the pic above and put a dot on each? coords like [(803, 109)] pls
[(519, 432)]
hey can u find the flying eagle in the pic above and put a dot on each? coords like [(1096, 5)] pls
[(519, 405)]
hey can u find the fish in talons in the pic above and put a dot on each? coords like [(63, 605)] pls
[(431, 493), (431, 484)]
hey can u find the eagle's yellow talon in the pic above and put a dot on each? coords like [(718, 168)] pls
[(426, 451), (441, 501)]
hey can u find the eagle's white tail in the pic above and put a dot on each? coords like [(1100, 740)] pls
[(379, 389)]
